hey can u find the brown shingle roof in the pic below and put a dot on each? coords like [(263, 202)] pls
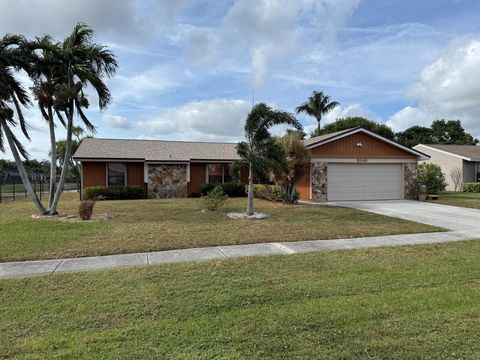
[(155, 150), (317, 139), (468, 151)]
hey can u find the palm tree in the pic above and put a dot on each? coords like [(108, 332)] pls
[(260, 150), (82, 63), (13, 56), (45, 59), (298, 161), (317, 105)]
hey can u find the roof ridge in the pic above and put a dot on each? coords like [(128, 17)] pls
[(170, 141)]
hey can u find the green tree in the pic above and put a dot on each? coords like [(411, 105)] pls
[(357, 121), (415, 135), (316, 106), (13, 96), (260, 150), (440, 132), (297, 164), (81, 63), (451, 132)]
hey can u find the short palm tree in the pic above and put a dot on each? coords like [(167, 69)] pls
[(81, 63), (260, 150), (317, 105), (297, 164), (14, 56)]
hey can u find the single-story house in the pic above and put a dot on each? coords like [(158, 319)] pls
[(464, 157), (353, 164)]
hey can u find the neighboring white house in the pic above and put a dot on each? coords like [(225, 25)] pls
[(464, 157)]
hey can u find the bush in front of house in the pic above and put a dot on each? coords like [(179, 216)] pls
[(431, 177), (116, 192), (232, 189), (471, 187), (85, 210), (268, 192), (214, 200)]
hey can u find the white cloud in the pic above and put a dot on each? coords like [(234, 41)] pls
[(448, 88), (117, 122), (219, 120)]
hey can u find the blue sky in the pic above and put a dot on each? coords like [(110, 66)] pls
[(187, 68)]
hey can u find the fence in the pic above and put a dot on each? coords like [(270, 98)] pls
[(16, 191)]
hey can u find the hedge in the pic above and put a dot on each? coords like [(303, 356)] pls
[(268, 192), (116, 192), (232, 189), (471, 187)]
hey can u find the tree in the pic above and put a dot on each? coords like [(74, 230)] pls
[(297, 164), (456, 176), (13, 96), (260, 150), (415, 135), (451, 132), (440, 132), (81, 63), (317, 105), (357, 121)]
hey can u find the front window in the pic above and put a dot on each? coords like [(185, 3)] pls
[(116, 174), (219, 173), (477, 171)]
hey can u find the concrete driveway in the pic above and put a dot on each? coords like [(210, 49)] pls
[(449, 217)]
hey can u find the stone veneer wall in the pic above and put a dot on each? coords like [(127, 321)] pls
[(319, 181), (167, 181), (410, 181)]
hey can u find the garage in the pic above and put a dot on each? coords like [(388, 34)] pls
[(364, 181), (357, 164)]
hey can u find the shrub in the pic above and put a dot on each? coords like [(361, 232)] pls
[(431, 176), (215, 199), (268, 192), (85, 209), (117, 192), (471, 187), (232, 189)]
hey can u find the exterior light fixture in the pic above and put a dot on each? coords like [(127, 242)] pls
[(359, 145)]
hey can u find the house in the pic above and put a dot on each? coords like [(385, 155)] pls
[(354, 164), (464, 157)]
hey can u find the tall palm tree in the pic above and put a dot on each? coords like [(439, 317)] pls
[(13, 56), (317, 105), (260, 150), (45, 60), (82, 63)]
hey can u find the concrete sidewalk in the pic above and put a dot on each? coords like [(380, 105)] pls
[(43, 267)]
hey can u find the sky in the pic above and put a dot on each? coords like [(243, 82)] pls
[(190, 70)]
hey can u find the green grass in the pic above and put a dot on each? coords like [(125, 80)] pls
[(417, 302), (150, 225), (470, 200)]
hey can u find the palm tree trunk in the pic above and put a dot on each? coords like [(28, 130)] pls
[(250, 191), (319, 119), (66, 160), (53, 157), (21, 169)]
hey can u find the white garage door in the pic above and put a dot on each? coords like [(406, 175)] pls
[(364, 182)]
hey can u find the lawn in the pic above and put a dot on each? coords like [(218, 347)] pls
[(470, 200), (403, 303), (149, 225)]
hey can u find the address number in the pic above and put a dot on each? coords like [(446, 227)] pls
[(362, 160)]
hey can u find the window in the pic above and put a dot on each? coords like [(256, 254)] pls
[(219, 173), (215, 173), (477, 172), (117, 174)]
